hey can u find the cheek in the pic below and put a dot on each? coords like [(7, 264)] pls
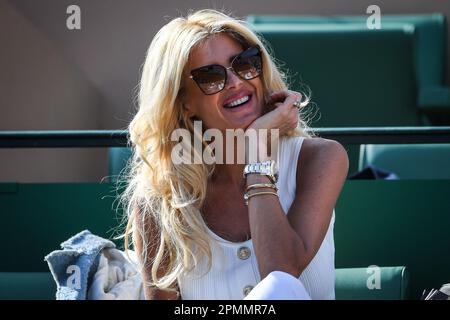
[(257, 83), (205, 108), (196, 101), (261, 98)]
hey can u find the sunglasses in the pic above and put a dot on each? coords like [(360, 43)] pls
[(212, 78)]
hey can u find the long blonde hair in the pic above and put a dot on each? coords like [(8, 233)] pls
[(169, 195)]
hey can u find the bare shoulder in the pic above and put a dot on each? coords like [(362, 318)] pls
[(313, 147), (322, 156)]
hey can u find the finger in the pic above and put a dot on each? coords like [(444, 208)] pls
[(283, 94), (278, 96), (290, 100), (295, 118), (298, 94), (278, 104), (298, 104)]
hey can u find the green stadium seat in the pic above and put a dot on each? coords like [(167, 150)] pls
[(378, 222), (430, 52), (37, 217), (357, 284), (408, 161), (396, 223), (358, 77), (27, 286), (351, 284), (117, 160)]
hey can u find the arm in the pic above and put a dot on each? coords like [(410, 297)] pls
[(289, 242), (151, 293)]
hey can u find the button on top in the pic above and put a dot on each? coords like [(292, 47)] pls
[(247, 290), (243, 253)]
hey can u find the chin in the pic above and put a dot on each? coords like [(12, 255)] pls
[(246, 120), (248, 124)]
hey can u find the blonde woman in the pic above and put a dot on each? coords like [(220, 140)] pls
[(196, 235)]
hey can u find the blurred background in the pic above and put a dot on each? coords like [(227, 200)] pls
[(52, 78)]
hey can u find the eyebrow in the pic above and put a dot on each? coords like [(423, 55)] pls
[(229, 61)]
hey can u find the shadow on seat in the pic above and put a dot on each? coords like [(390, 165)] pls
[(408, 161)]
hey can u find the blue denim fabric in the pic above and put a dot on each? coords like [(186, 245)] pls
[(74, 265)]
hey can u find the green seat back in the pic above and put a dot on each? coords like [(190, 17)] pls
[(431, 37), (351, 283), (383, 223), (383, 283), (409, 161), (27, 286), (358, 77), (117, 160), (396, 223), (37, 217)]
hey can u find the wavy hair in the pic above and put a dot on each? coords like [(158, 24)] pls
[(158, 191)]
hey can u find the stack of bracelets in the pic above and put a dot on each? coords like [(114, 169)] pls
[(257, 186)]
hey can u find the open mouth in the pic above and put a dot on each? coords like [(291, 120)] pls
[(238, 102)]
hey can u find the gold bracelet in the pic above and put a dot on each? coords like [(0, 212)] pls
[(261, 185), (247, 196)]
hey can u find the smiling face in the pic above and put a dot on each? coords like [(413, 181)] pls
[(238, 104)]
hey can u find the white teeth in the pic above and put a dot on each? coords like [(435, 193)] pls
[(237, 102)]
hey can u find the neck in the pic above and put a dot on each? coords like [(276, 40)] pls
[(229, 174)]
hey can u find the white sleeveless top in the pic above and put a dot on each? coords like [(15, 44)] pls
[(234, 269)]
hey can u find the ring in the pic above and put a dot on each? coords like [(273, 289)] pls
[(297, 104)]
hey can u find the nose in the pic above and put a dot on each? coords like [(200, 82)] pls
[(233, 80)]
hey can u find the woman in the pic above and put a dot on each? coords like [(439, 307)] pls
[(195, 235)]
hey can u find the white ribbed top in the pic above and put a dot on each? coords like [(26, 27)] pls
[(230, 274)]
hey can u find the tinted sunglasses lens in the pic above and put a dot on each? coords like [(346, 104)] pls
[(210, 79), (248, 64)]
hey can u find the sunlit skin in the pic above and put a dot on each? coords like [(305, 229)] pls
[(264, 111), (220, 49), (282, 241)]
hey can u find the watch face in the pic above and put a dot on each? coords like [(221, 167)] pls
[(268, 168)]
